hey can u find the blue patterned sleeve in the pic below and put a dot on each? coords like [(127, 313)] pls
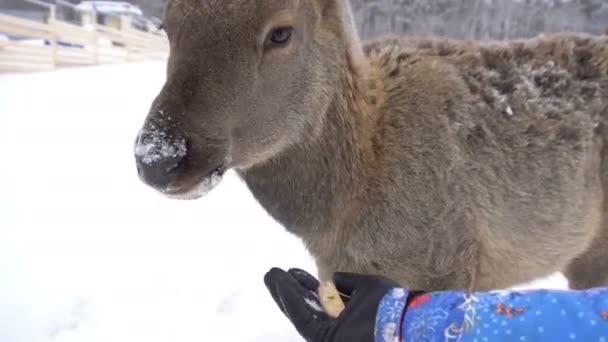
[(531, 315), (390, 315)]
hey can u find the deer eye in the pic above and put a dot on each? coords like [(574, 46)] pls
[(280, 35)]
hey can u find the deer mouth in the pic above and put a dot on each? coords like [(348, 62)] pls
[(197, 187)]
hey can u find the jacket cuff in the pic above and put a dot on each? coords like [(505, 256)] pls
[(389, 315)]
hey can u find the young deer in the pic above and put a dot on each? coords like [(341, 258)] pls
[(441, 164)]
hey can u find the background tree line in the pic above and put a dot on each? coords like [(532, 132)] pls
[(480, 19)]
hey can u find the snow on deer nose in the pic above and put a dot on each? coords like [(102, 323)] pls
[(159, 155)]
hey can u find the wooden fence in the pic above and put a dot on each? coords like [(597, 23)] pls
[(30, 45)]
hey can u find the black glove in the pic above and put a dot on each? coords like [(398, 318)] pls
[(295, 292)]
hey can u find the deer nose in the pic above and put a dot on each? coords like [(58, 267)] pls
[(159, 157)]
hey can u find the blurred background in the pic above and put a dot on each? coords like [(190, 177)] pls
[(87, 252), (92, 32), (480, 19)]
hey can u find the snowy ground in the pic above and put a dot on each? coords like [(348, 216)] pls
[(88, 253)]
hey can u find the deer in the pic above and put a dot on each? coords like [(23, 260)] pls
[(440, 163)]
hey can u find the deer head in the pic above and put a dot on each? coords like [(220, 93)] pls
[(245, 80)]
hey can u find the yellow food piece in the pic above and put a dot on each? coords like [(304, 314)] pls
[(330, 299)]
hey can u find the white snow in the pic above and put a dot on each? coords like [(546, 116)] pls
[(90, 254)]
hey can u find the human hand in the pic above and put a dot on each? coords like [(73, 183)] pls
[(295, 292)]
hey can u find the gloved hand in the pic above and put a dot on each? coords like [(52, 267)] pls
[(295, 292)]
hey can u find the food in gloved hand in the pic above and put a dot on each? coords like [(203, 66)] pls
[(330, 299)]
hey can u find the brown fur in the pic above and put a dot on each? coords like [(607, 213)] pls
[(441, 164)]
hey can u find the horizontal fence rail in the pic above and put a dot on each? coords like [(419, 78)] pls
[(41, 41)]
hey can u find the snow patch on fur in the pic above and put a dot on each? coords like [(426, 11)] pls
[(155, 145)]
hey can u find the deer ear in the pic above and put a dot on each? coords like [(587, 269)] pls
[(338, 14), (331, 8)]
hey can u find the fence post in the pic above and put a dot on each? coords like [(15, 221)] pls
[(125, 27), (53, 34), (87, 21)]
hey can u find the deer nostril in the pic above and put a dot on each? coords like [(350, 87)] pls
[(159, 156)]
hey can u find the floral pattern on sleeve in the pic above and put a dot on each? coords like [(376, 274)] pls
[(540, 315), (506, 315), (389, 316)]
